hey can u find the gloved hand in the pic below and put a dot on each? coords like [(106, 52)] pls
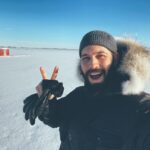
[(33, 103), (51, 90), (53, 86)]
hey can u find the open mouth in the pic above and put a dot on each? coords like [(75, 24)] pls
[(96, 75)]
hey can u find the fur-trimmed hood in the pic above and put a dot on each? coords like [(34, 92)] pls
[(133, 68), (135, 62)]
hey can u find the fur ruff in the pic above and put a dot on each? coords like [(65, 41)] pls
[(135, 62)]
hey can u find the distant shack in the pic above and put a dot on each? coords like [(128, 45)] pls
[(4, 52)]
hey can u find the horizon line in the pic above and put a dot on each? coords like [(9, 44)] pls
[(38, 47)]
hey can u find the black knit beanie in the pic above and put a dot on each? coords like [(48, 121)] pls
[(98, 38)]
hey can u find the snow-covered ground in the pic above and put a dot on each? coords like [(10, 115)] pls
[(19, 74)]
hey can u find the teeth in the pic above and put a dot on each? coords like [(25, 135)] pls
[(95, 73)]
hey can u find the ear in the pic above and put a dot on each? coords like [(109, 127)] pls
[(79, 72)]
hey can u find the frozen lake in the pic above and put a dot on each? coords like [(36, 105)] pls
[(18, 77)]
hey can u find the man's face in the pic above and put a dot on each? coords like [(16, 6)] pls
[(95, 63)]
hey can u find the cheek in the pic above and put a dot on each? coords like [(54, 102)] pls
[(106, 64), (84, 68)]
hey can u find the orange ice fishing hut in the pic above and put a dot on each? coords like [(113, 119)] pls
[(4, 52)]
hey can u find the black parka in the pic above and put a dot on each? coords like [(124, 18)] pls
[(98, 122)]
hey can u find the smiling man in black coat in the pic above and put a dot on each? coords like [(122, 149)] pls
[(111, 110)]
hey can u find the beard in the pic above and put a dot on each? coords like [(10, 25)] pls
[(95, 86), (94, 74), (107, 77)]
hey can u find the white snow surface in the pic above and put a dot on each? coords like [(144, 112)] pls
[(19, 74)]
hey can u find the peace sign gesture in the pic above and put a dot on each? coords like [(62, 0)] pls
[(48, 89), (44, 76), (53, 76)]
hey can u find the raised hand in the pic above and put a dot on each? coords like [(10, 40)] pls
[(51, 89), (46, 90), (44, 77), (53, 76), (51, 85)]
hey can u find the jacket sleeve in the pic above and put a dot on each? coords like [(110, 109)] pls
[(55, 112), (143, 135)]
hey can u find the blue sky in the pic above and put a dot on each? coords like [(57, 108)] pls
[(62, 23)]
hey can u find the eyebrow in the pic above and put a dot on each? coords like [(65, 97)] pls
[(84, 55), (101, 52)]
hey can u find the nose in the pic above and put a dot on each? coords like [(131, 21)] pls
[(94, 63)]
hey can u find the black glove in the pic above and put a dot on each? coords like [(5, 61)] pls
[(29, 108), (53, 86), (33, 103)]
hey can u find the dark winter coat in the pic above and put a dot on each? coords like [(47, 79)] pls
[(101, 122), (112, 120)]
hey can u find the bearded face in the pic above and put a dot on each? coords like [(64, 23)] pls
[(95, 64)]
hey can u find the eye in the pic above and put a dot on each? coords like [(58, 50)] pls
[(85, 59), (101, 56)]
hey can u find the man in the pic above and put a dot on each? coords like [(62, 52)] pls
[(111, 111)]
